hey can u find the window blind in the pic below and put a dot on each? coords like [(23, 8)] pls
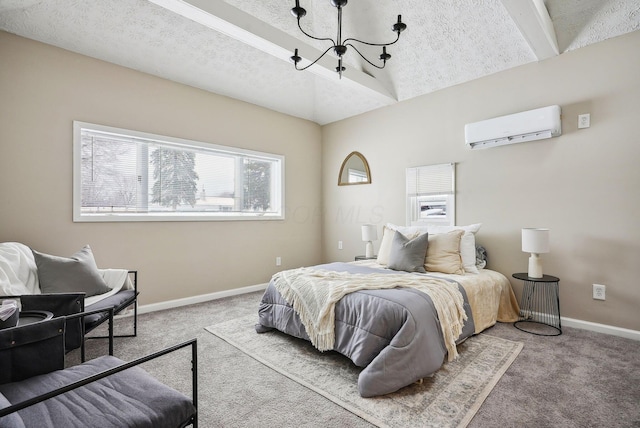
[(431, 180)]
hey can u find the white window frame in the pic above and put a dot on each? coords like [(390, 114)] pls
[(278, 186), (436, 189)]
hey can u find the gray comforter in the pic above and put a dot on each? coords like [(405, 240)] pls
[(393, 333)]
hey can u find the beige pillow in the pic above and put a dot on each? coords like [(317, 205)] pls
[(467, 243), (443, 253)]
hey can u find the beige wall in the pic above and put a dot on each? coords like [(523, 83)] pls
[(43, 89), (584, 185)]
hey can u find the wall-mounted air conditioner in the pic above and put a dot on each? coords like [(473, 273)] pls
[(514, 128)]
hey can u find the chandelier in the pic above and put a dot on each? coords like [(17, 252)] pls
[(339, 46)]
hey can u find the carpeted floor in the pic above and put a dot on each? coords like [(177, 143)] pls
[(449, 398), (578, 379)]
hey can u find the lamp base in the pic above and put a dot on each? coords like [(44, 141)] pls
[(369, 250), (535, 266)]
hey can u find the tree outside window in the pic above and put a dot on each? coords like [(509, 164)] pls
[(133, 176)]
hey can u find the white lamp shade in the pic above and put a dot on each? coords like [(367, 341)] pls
[(535, 240), (369, 232)]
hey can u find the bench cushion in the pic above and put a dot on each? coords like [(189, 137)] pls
[(126, 399), (12, 420), (118, 301)]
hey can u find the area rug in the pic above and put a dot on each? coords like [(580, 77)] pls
[(450, 398)]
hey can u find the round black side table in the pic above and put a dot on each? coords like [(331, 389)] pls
[(539, 305)]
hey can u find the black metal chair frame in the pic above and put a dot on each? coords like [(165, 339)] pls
[(122, 307), (112, 311), (110, 335), (193, 420)]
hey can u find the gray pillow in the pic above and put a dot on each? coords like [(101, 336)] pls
[(408, 254), (77, 273)]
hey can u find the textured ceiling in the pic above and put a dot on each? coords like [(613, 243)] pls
[(446, 43)]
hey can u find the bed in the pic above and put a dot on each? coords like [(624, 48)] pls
[(399, 325)]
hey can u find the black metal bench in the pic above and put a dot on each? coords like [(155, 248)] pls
[(64, 304), (36, 389)]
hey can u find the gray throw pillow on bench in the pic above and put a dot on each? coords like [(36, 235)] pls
[(78, 273)]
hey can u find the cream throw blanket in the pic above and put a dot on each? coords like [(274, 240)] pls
[(313, 293)]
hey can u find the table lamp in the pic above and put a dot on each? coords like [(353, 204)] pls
[(536, 242), (369, 234)]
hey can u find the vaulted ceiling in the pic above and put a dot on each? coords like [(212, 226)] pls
[(241, 48)]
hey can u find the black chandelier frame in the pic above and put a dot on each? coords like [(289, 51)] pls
[(340, 46)]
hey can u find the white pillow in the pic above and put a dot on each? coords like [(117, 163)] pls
[(389, 231), (385, 245), (409, 230), (467, 243)]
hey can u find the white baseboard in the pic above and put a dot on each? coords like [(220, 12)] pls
[(601, 328), (143, 309), (566, 322)]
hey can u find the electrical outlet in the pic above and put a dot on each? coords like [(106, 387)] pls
[(278, 261), (584, 120), (339, 245), (599, 291)]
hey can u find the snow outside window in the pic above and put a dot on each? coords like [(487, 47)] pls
[(123, 175)]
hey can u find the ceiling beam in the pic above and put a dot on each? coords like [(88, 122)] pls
[(231, 21), (533, 21)]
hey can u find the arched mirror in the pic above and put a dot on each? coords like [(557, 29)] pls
[(354, 170)]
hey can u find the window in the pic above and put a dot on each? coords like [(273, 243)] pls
[(122, 175), (431, 194), (356, 176)]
